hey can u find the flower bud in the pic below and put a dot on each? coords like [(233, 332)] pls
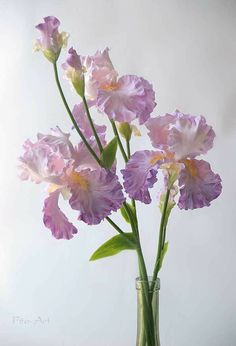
[(51, 40), (74, 71), (125, 130)]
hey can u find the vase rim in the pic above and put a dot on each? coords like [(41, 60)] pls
[(139, 281)]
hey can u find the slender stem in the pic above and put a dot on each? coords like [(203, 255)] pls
[(92, 124), (161, 237), (149, 322), (128, 148), (115, 225), (117, 228), (116, 133), (92, 152)]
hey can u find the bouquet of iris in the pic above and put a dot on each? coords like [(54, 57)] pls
[(86, 173)]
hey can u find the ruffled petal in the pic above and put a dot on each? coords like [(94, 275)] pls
[(198, 185), (95, 194), (55, 220), (46, 159), (190, 136), (58, 141), (140, 174), (131, 97), (37, 164), (185, 135), (83, 123)]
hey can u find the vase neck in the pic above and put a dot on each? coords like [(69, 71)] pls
[(154, 287)]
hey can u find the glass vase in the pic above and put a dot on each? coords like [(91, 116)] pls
[(144, 321)]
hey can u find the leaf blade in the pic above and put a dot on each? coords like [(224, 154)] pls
[(109, 153), (114, 246)]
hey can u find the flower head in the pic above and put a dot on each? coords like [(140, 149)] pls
[(51, 40), (179, 138), (93, 191)]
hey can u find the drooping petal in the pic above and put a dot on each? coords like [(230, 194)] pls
[(95, 194), (51, 40), (198, 185), (55, 220), (99, 72), (129, 98), (140, 174), (159, 130), (83, 123), (190, 136)]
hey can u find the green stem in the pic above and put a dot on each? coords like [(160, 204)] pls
[(149, 322), (92, 152), (114, 225), (128, 148), (92, 125), (117, 228), (116, 133), (161, 237)]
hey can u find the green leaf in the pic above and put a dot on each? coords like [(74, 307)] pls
[(115, 245), (124, 212), (163, 253), (109, 153)]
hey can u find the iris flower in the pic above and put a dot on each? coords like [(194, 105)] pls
[(179, 138), (73, 173)]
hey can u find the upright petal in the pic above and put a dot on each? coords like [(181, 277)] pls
[(83, 158), (129, 98), (159, 128), (140, 174), (95, 194), (55, 220), (190, 136), (83, 123), (58, 141), (99, 72), (198, 185)]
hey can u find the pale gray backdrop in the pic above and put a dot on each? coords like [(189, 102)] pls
[(50, 294)]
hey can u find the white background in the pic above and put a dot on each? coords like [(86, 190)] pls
[(187, 49)]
